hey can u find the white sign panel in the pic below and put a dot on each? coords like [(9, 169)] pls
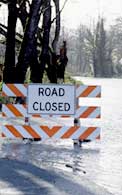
[(51, 99)]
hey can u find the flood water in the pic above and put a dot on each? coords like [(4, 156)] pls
[(106, 163), (99, 161)]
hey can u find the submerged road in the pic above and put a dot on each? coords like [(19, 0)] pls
[(21, 177)]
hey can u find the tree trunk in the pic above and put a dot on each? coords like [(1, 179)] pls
[(35, 66), (57, 30), (28, 44), (45, 56), (8, 74)]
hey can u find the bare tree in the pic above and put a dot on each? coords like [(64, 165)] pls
[(34, 38)]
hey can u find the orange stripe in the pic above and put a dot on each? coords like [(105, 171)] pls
[(87, 112), (14, 110), (31, 131), (69, 132), (50, 131), (15, 90), (36, 115), (65, 116), (87, 91), (14, 131), (89, 131)]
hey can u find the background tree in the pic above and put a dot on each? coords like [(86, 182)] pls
[(92, 51)]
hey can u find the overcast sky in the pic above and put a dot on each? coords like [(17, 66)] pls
[(78, 12), (84, 11)]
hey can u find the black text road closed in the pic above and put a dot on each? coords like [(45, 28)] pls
[(51, 99)]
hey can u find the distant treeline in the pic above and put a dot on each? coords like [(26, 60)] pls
[(96, 51)]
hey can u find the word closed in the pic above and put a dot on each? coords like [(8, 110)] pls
[(51, 99)]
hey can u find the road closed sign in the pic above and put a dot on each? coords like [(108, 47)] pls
[(51, 99)]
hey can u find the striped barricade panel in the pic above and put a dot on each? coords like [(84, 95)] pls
[(20, 90), (44, 132), (56, 132), (14, 90), (88, 112), (19, 110), (14, 110), (92, 91)]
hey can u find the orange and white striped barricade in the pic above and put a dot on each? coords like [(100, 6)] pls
[(90, 91), (20, 110), (44, 132), (20, 90), (55, 132)]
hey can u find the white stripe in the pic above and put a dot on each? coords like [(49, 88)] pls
[(61, 132), (80, 89), (95, 92), (7, 112), (7, 132), (22, 131), (78, 133), (40, 131), (21, 88), (7, 91)]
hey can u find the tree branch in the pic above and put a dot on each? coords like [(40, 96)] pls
[(57, 29), (3, 31), (59, 11)]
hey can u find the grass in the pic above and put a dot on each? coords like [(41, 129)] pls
[(69, 80)]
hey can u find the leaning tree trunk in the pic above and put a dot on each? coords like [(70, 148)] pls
[(8, 74), (29, 40), (57, 30), (44, 57)]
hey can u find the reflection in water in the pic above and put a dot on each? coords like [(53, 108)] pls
[(98, 161)]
